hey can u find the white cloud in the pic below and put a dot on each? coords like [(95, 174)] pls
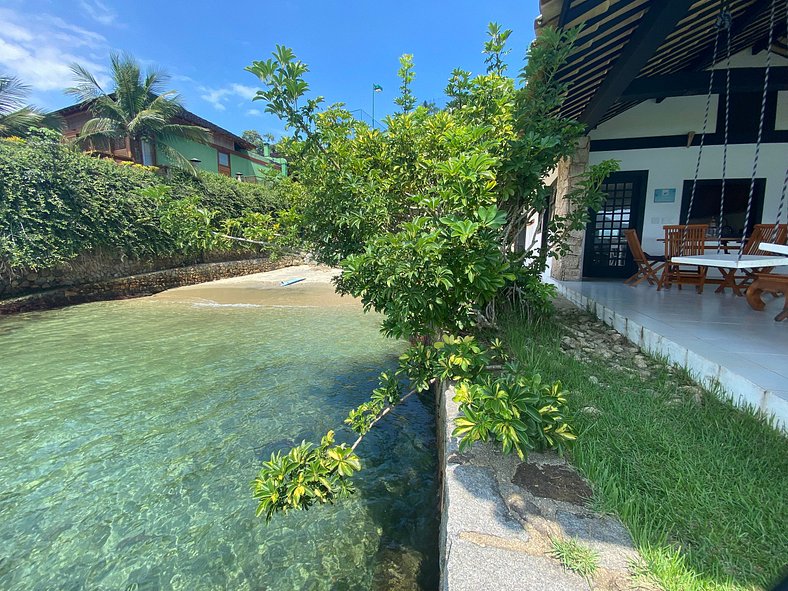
[(219, 97), (98, 11), (254, 112), (39, 48)]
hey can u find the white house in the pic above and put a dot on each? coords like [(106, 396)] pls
[(639, 78)]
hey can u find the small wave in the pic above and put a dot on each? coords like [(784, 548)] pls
[(218, 305)]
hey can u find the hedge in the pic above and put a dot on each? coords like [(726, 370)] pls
[(56, 203)]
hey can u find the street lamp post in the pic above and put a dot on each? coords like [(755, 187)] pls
[(375, 89)]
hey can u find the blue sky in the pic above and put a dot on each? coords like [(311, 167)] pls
[(206, 45)]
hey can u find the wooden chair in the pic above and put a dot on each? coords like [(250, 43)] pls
[(644, 261), (738, 280), (680, 240)]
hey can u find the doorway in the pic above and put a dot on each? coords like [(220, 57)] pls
[(606, 253)]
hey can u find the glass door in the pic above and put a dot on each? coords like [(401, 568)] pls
[(606, 253)]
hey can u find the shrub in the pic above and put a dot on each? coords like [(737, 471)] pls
[(423, 218), (56, 203)]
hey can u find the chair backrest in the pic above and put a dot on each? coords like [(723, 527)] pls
[(686, 240), (765, 233), (634, 245)]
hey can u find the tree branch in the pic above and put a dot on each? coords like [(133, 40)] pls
[(382, 414)]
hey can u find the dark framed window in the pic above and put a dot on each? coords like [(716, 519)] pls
[(706, 204)]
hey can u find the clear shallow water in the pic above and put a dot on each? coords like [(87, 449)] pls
[(131, 430)]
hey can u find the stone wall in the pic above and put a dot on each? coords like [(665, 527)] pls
[(99, 266), (140, 284), (568, 174)]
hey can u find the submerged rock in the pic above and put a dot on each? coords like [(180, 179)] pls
[(397, 569)]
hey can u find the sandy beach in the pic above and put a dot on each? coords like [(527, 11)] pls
[(266, 288)]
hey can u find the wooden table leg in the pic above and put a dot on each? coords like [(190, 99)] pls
[(728, 280), (774, 284)]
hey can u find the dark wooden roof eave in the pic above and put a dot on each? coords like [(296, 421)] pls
[(620, 44)]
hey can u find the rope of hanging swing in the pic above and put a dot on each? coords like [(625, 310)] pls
[(724, 25)]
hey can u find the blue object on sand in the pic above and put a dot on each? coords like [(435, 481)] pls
[(291, 281)]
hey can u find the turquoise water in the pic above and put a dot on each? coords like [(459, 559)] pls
[(131, 430)]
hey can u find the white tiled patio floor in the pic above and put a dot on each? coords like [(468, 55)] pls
[(715, 336)]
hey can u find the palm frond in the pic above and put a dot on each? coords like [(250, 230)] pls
[(98, 129), (109, 108), (20, 121), (129, 89), (168, 103), (176, 159), (87, 87), (12, 94), (52, 121), (146, 123), (155, 80)]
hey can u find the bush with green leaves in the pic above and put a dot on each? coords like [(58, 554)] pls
[(423, 217), (57, 203)]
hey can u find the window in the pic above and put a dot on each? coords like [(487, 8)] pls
[(147, 154), (224, 163), (706, 205)]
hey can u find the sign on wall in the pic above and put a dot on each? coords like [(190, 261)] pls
[(664, 195)]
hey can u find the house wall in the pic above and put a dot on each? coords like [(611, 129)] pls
[(207, 155), (781, 122), (209, 159), (669, 167), (673, 116), (244, 166)]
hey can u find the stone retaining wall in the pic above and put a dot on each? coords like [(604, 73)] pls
[(141, 284), (98, 266)]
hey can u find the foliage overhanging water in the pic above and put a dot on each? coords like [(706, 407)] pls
[(131, 431)]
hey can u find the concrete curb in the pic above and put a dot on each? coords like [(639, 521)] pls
[(499, 514), (704, 371)]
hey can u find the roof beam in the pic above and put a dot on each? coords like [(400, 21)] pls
[(697, 83), (655, 25)]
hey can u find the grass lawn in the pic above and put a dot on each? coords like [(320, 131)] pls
[(701, 486)]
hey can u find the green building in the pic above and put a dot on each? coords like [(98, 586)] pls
[(226, 153)]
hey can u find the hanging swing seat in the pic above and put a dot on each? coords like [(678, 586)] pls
[(732, 261), (776, 248)]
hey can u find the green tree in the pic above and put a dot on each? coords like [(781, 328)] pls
[(406, 99), (137, 107), (260, 140), (423, 217), (16, 117)]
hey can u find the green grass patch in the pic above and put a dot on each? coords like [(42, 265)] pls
[(700, 486), (575, 556)]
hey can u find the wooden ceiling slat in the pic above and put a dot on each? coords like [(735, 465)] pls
[(609, 25), (588, 50)]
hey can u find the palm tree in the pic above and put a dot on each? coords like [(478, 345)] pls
[(16, 118), (137, 108)]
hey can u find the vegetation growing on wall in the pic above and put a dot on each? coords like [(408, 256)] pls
[(423, 217), (56, 203)]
